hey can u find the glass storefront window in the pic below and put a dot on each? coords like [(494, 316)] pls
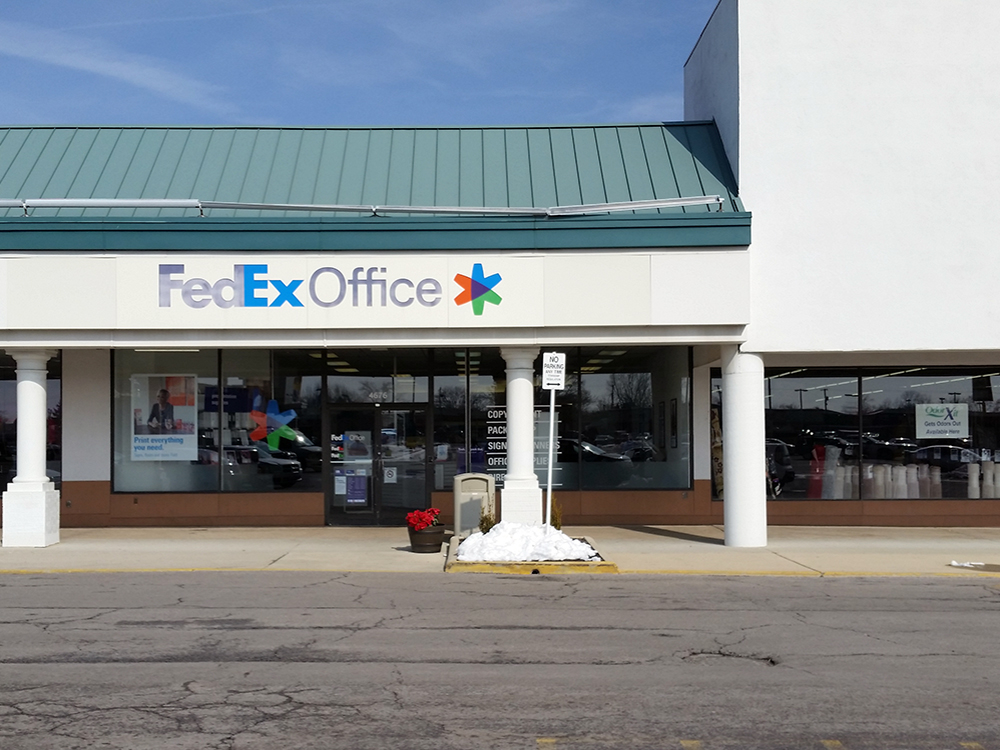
[(467, 385), (930, 434), (567, 461), (163, 439), (450, 407), (812, 430), (172, 434), (487, 447), (635, 428), (238, 429), (383, 376), (902, 433), (270, 421), (240, 420), (623, 418), (298, 387)]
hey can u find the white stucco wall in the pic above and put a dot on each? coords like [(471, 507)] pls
[(711, 78), (868, 154), (86, 414)]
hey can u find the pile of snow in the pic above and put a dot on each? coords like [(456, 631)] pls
[(519, 542)]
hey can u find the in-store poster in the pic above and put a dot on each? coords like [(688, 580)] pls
[(164, 418)]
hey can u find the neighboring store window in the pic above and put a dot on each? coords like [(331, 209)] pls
[(812, 433), (8, 420), (903, 433), (930, 433)]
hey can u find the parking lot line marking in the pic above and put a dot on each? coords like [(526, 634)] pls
[(691, 744), (832, 744), (971, 745)]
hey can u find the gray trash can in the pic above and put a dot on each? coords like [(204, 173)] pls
[(473, 494)]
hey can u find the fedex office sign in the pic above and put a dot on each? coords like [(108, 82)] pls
[(251, 286)]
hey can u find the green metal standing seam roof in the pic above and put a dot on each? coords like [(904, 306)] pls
[(469, 167)]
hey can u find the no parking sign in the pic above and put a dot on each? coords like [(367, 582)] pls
[(553, 371)]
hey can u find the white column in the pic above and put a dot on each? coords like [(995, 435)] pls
[(744, 461), (31, 502), (521, 496)]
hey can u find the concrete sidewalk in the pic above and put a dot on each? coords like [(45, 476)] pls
[(792, 550)]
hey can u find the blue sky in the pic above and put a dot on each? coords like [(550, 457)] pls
[(345, 62)]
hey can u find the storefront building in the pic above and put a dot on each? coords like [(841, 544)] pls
[(308, 326)]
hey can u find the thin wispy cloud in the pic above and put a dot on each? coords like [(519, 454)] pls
[(64, 50), (344, 62), (158, 20)]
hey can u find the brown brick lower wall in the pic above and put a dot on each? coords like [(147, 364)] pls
[(92, 504), (968, 513), (581, 508)]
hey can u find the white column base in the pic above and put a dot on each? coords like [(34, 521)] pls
[(521, 501), (30, 514)]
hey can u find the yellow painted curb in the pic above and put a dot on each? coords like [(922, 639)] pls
[(541, 567), (810, 573), (730, 573)]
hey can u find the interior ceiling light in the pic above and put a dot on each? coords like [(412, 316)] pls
[(616, 353), (338, 363), (347, 369), (599, 361), (201, 206)]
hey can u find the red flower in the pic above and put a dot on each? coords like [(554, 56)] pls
[(421, 519)]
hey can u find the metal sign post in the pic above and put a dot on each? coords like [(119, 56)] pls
[(553, 379)]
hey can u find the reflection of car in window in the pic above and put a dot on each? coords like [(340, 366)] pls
[(779, 461), (570, 448), (284, 468), (639, 449), (308, 453), (948, 457)]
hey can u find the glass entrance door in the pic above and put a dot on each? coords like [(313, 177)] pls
[(378, 464)]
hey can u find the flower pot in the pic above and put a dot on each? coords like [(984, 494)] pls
[(428, 539)]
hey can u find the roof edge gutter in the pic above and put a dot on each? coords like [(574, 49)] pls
[(26, 204)]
